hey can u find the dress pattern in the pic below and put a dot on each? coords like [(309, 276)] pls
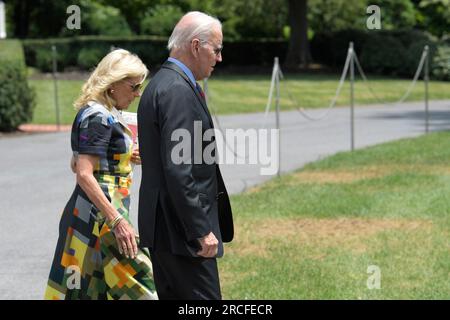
[(87, 263)]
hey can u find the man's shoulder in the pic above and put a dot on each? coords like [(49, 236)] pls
[(169, 80), (168, 72)]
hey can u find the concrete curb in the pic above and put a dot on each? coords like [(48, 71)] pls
[(33, 128)]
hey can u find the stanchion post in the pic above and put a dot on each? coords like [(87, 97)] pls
[(55, 85), (426, 78), (352, 97), (277, 112)]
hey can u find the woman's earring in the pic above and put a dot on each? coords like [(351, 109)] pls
[(112, 90)]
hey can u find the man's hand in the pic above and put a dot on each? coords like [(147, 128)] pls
[(209, 244)]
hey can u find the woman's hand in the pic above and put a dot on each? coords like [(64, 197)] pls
[(135, 157), (126, 239)]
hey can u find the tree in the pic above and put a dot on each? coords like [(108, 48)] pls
[(433, 16), (21, 16), (160, 20), (396, 14), (298, 51), (39, 18), (335, 15), (99, 19), (134, 11)]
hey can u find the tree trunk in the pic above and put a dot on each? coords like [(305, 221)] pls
[(21, 16), (298, 52)]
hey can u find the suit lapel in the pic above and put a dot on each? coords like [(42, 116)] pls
[(174, 67), (203, 102)]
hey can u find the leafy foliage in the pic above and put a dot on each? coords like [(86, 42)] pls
[(160, 20), (241, 18), (16, 97), (441, 63)]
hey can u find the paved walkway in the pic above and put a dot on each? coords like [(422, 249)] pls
[(36, 181)]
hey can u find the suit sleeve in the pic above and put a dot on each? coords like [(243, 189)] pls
[(177, 115)]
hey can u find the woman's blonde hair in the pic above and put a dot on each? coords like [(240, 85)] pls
[(117, 65)]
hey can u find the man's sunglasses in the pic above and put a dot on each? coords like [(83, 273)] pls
[(217, 50)]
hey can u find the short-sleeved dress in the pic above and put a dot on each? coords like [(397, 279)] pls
[(87, 263)]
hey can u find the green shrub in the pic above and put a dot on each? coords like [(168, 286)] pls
[(393, 52), (39, 54), (17, 99), (44, 59), (409, 37), (12, 50), (253, 52), (331, 48), (90, 57), (383, 54), (441, 63), (413, 55)]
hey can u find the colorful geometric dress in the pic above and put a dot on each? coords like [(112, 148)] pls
[(87, 263)]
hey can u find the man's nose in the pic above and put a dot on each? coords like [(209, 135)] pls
[(219, 57)]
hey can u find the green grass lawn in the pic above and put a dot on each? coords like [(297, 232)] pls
[(314, 233), (242, 94), (11, 50)]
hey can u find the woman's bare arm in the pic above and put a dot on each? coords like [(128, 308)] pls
[(125, 234)]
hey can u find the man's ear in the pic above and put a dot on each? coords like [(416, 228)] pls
[(195, 47)]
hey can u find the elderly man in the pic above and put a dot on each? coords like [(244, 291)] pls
[(184, 210)]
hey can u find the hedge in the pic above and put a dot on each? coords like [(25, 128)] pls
[(85, 51), (383, 52), (11, 50)]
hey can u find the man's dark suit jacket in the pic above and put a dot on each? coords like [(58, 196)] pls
[(178, 203)]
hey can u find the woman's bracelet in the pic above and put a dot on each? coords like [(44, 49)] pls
[(114, 222)]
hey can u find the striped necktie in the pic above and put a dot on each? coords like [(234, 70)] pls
[(199, 88)]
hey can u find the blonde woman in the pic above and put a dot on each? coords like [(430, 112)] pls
[(97, 254)]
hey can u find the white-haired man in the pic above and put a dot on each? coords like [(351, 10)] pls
[(184, 210)]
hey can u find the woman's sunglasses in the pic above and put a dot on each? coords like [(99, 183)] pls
[(135, 87)]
